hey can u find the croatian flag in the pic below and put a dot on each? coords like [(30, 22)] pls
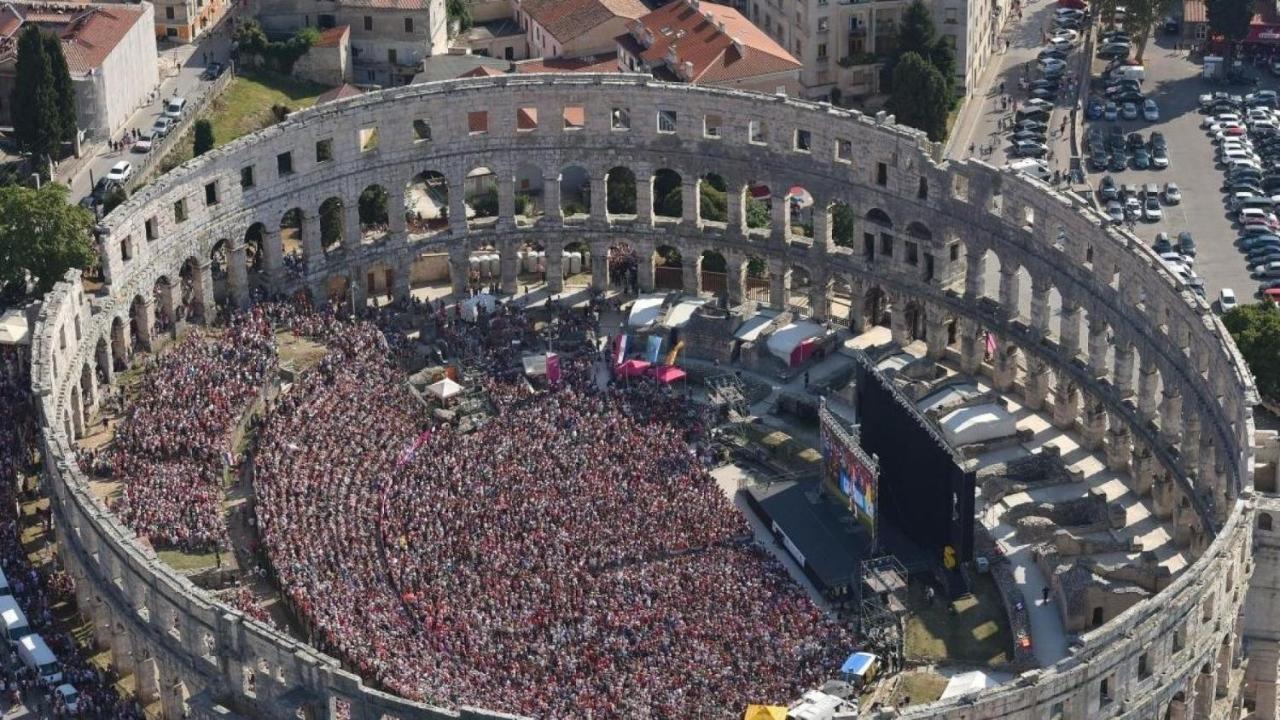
[(553, 368), (620, 349), (412, 450), (991, 345)]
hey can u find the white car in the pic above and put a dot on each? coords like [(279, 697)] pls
[(1223, 118), (1227, 300), (70, 698), (1172, 194), (1053, 64), (143, 143), (1151, 210), (1030, 166), (1150, 111), (121, 172), (1256, 215), (1071, 36)]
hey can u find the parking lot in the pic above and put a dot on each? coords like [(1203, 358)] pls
[(1173, 81)]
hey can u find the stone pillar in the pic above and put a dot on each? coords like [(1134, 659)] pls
[(1163, 497), (972, 347), (1037, 382), (173, 697), (691, 274), (1190, 446), (401, 284), (1171, 415), (357, 283), (1040, 307), (352, 236), (169, 303), (312, 247), (106, 362), (555, 269), (599, 201), (818, 292), (1123, 376), (77, 413), (736, 271), (202, 292), (506, 200), (1005, 364), (689, 202), (734, 221), (273, 256), (459, 270), (509, 260), (779, 232), (1118, 449), (1143, 469), (644, 197), (935, 332), (821, 227), (457, 206), (975, 275), (1098, 348), (600, 270), (238, 277), (898, 329), (1065, 404), (396, 222), (644, 272), (1148, 380), (121, 650), (779, 286), (1206, 684), (1009, 289), (1070, 334)]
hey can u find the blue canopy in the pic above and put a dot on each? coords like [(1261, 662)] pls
[(857, 663)]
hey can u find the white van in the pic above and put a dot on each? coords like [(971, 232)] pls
[(1137, 73), (15, 623), (1033, 167), (37, 656), (4, 584)]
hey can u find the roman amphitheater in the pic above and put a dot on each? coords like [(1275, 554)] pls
[(1090, 332)]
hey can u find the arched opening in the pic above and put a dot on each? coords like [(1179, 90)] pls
[(620, 191), (575, 193), (668, 201), (1023, 297), (758, 208), (218, 264), (332, 232), (481, 190), (533, 262), (875, 307), (162, 300), (291, 240), (337, 290), (139, 328), (801, 283), (877, 236), (799, 212), (255, 250), (379, 282), (1264, 521), (843, 229), (668, 268), (426, 203), (624, 265), (756, 283), (529, 197), (576, 260), (119, 344), (374, 216), (713, 202), (914, 316), (429, 268), (991, 280), (715, 273), (840, 300), (188, 276)]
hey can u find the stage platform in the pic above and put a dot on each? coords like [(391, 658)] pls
[(826, 541)]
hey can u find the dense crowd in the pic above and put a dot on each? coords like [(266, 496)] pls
[(570, 558), (173, 444), (39, 591)]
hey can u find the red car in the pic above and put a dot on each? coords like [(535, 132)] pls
[(1272, 295)]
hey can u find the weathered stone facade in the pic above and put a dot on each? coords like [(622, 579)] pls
[(1158, 384)]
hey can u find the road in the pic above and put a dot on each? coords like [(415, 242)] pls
[(181, 67)]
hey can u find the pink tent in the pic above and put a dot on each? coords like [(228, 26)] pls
[(631, 368), (668, 374)]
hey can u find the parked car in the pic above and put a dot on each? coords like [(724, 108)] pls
[(1129, 111), (1111, 111), (1030, 148), (121, 172), (1160, 158), (1141, 159), (1172, 193), (161, 127), (1107, 188), (212, 71), (1150, 111), (143, 143), (1115, 212), (1186, 245), (1162, 244), (1151, 211)]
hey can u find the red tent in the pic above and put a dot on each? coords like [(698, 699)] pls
[(668, 374), (631, 368)]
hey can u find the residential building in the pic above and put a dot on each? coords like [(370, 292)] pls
[(110, 51), (494, 32), (574, 28), (185, 20), (389, 38), (707, 44), (841, 42)]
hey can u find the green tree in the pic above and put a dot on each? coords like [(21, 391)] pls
[(65, 91), (204, 137), (41, 235), (920, 96), (460, 11), (1230, 19), (714, 202), (916, 33), (373, 206), (114, 197), (757, 214), (1256, 330), (669, 201), (1141, 16), (842, 225), (331, 222), (621, 190), (943, 58), (33, 102)]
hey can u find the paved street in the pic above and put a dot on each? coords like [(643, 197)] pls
[(1173, 81), (180, 69)]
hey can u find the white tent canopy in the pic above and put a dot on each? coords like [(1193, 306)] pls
[(444, 389), (645, 311), (786, 338), (471, 306), (679, 315), (977, 423), (14, 329), (750, 330)]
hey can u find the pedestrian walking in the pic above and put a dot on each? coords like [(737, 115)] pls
[(1044, 594)]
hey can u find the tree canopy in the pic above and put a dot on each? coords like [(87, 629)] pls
[(35, 105), (1256, 330), (918, 35), (1230, 18), (204, 137), (920, 96), (64, 92), (42, 235), (1141, 16)]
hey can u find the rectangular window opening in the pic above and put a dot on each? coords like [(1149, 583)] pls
[(211, 193), (368, 139), (758, 132), (574, 117), (620, 119), (882, 174), (804, 141), (284, 164), (421, 131), (666, 121), (526, 119), (324, 150), (246, 177), (478, 122), (180, 210), (711, 126), (844, 151)]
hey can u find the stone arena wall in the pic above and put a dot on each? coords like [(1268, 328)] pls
[(1155, 382)]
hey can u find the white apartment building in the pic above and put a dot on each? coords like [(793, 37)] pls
[(839, 41)]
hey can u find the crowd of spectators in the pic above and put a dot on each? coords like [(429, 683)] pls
[(40, 591), (570, 558), (173, 443)]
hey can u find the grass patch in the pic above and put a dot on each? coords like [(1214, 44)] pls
[(976, 633), (183, 561), (245, 107), (917, 688)]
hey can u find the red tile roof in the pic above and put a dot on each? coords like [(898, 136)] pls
[(712, 43), (334, 36), (481, 71), (389, 4), (605, 62), (345, 90), (567, 20)]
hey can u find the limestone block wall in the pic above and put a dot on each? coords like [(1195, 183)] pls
[(1140, 367)]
